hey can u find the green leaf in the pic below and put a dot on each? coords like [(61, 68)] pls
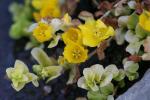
[(20, 75), (132, 21), (112, 69), (19, 29), (96, 96), (140, 32), (54, 42), (122, 21), (120, 76), (120, 33), (42, 58), (121, 84), (131, 67), (72, 75), (106, 79), (146, 56), (108, 89), (98, 70), (132, 76), (132, 4), (16, 9), (131, 37), (82, 83), (133, 48), (52, 72), (110, 97)]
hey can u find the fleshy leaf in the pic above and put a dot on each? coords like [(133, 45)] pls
[(108, 89), (133, 48), (20, 75), (131, 37), (131, 67), (54, 42), (146, 56), (120, 76), (132, 21), (120, 33), (140, 32), (96, 96), (147, 44), (52, 72), (42, 58), (98, 70), (56, 23), (132, 4), (106, 80), (112, 69), (122, 21), (132, 76), (81, 83)]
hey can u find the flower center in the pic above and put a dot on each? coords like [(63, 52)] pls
[(99, 33), (76, 54)]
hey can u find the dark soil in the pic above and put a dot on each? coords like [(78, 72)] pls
[(11, 50)]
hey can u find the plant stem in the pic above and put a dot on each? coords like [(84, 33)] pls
[(95, 2), (115, 90), (92, 53)]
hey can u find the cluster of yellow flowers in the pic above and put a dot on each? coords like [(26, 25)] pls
[(76, 39), (91, 34), (46, 8)]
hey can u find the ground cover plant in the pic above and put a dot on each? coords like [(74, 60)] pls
[(99, 48)]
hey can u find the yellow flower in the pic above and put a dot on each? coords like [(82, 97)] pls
[(72, 35), (50, 11), (37, 16), (43, 32), (75, 53), (67, 19), (37, 4), (94, 32), (47, 8), (144, 20)]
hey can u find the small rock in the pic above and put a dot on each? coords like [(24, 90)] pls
[(47, 89), (139, 91)]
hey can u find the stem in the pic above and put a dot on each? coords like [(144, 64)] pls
[(115, 90), (106, 14), (95, 2), (92, 53)]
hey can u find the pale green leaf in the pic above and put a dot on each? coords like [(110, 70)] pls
[(108, 89), (106, 80), (54, 42), (132, 21), (98, 70), (131, 66), (122, 21), (146, 56), (131, 37), (133, 48), (120, 76), (96, 96), (112, 69), (120, 33), (82, 83), (42, 58), (18, 87)]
